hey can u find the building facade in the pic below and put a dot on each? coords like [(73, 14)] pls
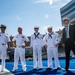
[(68, 11)]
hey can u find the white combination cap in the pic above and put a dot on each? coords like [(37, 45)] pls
[(36, 27), (49, 27)]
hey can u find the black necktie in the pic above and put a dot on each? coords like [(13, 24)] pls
[(50, 35), (36, 35)]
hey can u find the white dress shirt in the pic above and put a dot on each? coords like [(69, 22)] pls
[(20, 39), (67, 31)]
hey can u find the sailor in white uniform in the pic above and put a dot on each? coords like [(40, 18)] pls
[(51, 41), (20, 45), (4, 45), (37, 45)]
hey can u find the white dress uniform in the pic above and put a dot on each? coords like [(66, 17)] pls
[(19, 51), (50, 40), (37, 44), (4, 39)]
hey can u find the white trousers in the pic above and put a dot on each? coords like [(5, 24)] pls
[(3, 54), (52, 52), (37, 54), (19, 52)]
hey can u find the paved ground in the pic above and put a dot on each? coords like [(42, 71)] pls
[(6, 72), (9, 67)]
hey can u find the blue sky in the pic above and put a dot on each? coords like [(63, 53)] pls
[(30, 13)]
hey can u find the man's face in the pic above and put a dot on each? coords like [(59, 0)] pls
[(66, 22), (49, 30), (36, 29), (2, 29), (19, 30)]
